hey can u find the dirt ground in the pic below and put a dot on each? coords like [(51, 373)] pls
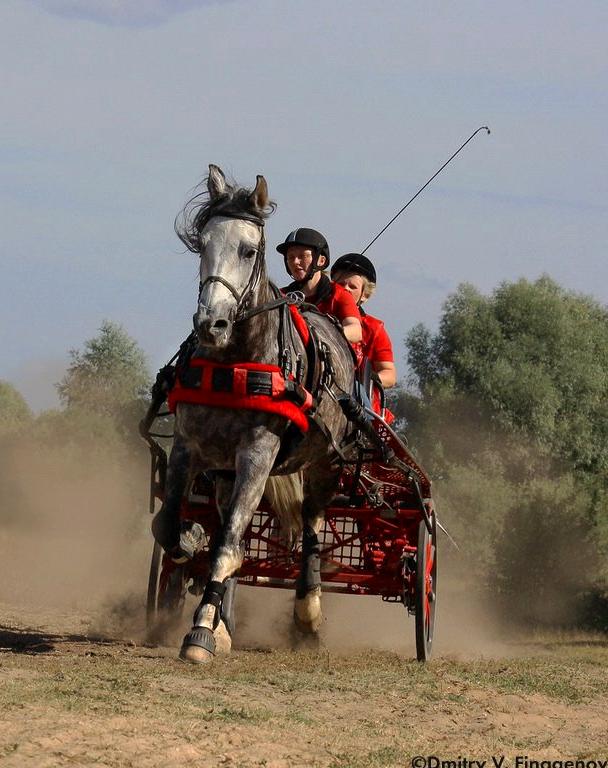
[(83, 688)]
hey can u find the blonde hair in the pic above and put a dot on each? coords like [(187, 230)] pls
[(368, 286)]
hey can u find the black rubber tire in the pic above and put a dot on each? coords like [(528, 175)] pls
[(168, 603), (425, 598), (155, 567)]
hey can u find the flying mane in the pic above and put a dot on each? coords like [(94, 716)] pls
[(190, 221)]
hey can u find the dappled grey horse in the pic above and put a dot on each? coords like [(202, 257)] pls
[(236, 320)]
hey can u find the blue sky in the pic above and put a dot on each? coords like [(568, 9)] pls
[(112, 111)]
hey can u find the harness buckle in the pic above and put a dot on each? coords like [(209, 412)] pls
[(299, 368), (286, 362), (294, 298), (328, 371), (299, 395)]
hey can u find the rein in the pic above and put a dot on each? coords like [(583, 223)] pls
[(292, 299)]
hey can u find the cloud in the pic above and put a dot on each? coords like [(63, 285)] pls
[(122, 13)]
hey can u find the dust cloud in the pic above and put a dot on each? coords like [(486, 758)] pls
[(73, 530), (467, 625), (74, 535)]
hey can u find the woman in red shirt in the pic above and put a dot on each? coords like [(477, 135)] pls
[(357, 275), (305, 253)]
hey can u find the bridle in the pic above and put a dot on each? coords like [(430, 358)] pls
[(243, 298)]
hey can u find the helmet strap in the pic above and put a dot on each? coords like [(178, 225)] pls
[(314, 266)]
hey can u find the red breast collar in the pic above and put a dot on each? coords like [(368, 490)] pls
[(252, 386)]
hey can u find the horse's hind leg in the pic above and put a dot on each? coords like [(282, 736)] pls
[(166, 522), (307, 612)]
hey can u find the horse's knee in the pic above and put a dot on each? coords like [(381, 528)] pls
[(228, 559)]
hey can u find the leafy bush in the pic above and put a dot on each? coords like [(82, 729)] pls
[(507, 407)]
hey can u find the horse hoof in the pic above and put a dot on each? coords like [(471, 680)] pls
[(307, 627), (195, 655), (307, 614), (198, 646)]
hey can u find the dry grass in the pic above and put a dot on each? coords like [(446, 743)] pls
[(68, 699)]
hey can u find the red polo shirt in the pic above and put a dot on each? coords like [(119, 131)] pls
[(376, 343), (377, 348), (339, 303)]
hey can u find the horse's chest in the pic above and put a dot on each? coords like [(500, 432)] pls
[(216, 435)]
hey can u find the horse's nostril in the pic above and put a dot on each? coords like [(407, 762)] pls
[(218, 327)]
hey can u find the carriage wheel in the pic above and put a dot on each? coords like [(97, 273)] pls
[(166, 592), (172, 592), (155, 566), (425, 600)]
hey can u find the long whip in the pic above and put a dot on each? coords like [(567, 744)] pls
[(383, 230)]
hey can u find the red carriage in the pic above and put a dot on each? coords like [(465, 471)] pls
[(379, 536)]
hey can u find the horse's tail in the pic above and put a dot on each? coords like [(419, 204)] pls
[(285, 494)]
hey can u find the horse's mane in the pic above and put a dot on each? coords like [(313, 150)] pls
[(201, 207)]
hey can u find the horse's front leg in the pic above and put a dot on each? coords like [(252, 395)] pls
[(252, 470), (224, 487)]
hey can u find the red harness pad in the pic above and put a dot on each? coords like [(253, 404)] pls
[(253, 386)]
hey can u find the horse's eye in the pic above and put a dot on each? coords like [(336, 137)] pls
[(250, 253)]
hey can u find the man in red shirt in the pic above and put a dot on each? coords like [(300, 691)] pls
[(305, 253), (357, 275)]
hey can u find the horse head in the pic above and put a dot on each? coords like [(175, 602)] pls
[(227, 230)]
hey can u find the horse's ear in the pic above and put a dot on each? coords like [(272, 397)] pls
[(259, 196), (216, 181)]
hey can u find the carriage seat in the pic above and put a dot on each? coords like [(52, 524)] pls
[(369, 391)]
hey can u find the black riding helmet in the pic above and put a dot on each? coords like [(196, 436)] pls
[(357, 263), (309, 238)]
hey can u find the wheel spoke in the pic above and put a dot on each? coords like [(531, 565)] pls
[(429, 564)]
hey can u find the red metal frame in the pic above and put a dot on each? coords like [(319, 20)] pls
[(368, 539)]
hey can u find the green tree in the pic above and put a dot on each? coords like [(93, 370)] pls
[(14, 411), (108, 376), (534, 355), (507, 409)]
